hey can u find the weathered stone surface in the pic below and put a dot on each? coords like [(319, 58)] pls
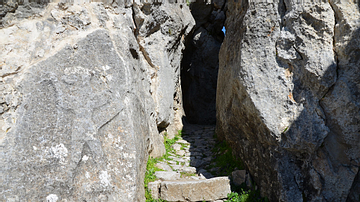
[(199, 190), (167, 175), (161, 29), (288, 96), (163, 166), (154, 188), (238, 177), (78, 119), (176, 146)]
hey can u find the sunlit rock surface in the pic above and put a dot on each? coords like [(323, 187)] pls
[(80, 107), (288, 96)]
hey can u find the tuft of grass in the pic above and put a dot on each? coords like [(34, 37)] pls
[(151, 168), (150, 177), (246, 196), (285, 130), (225, 160), (185, 174)]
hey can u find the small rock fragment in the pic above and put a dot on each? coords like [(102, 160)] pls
[(154, 188), (238, 177)]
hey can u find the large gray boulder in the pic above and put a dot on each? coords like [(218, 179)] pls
[(78, 119), (288, 96)]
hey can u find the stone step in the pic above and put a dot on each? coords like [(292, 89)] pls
[(194, 190)]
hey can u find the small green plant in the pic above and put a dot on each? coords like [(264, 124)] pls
[(246, 196), (236, 197), (150, 176), (225, 160), (151, 168), (184, 174)]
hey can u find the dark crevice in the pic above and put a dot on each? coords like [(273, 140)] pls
[(282, 11), (336, 60), (200, 63), (134, 53)]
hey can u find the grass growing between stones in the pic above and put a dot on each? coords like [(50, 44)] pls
[(184, 174), (150, 177), (151, 168), (224, 160), (246, 196), (226, 163), (169, 142)]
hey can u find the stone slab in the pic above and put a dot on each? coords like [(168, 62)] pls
[(167, 175), (199, 190)]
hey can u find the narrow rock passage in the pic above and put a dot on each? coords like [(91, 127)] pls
[(191, 173)]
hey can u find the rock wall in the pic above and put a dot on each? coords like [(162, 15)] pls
[(83, 96), (201, 62), (288, 96)]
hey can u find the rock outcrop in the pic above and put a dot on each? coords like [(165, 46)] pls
[(288, 96), (85, 88)]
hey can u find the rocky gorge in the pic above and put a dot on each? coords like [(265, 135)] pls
[(89, 91)]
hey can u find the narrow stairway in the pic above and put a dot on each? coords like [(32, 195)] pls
[(192, 170)]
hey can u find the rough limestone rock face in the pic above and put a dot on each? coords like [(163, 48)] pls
[(201, 62), (288, 97), (161, 30), (77, 115)]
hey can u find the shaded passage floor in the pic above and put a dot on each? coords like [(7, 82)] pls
[(191, 172), (192, 152)]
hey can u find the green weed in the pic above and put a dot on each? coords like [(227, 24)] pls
[(151, 168), (150, 177), (225, 160), (246, 196), (184, 174)]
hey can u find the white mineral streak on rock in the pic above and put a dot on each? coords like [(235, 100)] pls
[(105, 178), (60, 152), (52, 198), (85, 158)]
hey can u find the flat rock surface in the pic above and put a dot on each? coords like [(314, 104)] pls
[(196, 190), (167, 175)]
